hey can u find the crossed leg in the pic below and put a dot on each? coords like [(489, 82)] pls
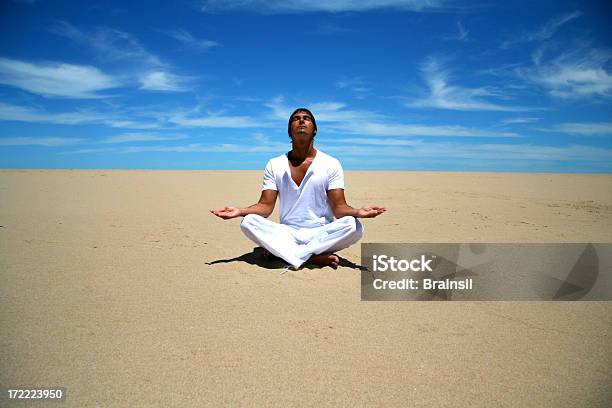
[(273, 237), (306, 245)]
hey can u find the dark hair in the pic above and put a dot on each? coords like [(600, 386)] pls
[(314, 122)]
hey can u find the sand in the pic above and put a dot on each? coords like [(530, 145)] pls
[(120, 286)]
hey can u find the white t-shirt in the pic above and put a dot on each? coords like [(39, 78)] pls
[(305, 206)]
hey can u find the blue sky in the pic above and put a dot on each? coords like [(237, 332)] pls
[(394, 84)]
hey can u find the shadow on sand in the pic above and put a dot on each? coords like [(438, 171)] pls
[(256, 258)]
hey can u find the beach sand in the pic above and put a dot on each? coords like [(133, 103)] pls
[(123, 288)]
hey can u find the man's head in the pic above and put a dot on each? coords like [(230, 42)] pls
[(302, 124)]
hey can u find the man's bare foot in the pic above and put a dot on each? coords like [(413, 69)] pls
[(325, 260)]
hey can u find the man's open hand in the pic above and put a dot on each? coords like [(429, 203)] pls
[(370, 211), (227, 212)]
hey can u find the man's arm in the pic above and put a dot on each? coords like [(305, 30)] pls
[(264, 207), (341, 209)]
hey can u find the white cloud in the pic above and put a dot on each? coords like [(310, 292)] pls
[(18, 113), (138, 64), (215, 121), (462, 33), (110, 44), (436, 150), (395, 129), (355, 141), (192, 148), (260, 137), (92, 150), (56, 79), (10, 112), (330, 29), (491, 151), (26, 114), (188, 119), (40, 141), (192, 42), (141, 137), (442, 95), (577, 74), (587, 129), (334, 6), (512, 121), (356, 85), (328, 111), (129, 124), (337, 119), (545, 32), (280, 111), (335, 112), (163, 81)]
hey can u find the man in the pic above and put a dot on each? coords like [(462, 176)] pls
[(311, 188)]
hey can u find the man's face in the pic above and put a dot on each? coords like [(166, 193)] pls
[(302, 127)]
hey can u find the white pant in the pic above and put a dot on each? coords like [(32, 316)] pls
[(296, 245)]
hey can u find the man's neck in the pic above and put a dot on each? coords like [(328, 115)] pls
[(298, 154)]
